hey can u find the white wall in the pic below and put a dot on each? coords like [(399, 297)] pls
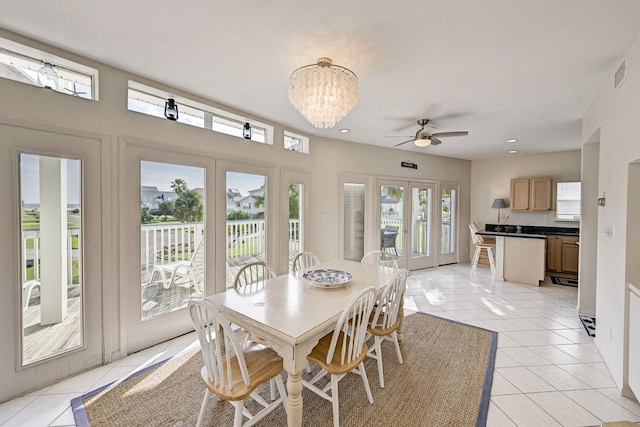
[(615, 113), (589, 229), (492, 180)]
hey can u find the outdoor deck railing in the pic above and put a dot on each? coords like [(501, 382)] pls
[(31, 253), (165, 243)]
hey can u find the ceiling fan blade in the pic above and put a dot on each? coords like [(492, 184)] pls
[(399, 136), (404, 142), (435, 141), (447, 134)]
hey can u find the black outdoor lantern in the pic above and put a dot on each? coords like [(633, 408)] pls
[(171, 109), (246, 131)]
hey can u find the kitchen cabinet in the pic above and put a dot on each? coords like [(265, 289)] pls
[(570, 254), (554, 253), (562, 254), (531, 194)]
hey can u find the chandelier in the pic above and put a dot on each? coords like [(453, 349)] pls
[(323, 93)]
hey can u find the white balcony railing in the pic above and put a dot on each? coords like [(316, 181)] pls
[(166, 243), (31, 253)]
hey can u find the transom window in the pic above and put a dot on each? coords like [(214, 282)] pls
[(31, 66), (151, 101), (295, 142)]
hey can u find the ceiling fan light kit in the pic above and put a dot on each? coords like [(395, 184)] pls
[(422, 142), (425, 137), (323, 93)]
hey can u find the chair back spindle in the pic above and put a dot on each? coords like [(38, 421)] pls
[(304, 261), (251, 277), (352, 327), (220, 347)]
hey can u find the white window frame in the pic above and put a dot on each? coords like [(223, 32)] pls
[(31, 60), (197, 114), (296, 142)]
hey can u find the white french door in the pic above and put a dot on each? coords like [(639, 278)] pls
[(448, 223), (164, 245), (294, 208), (53, 258), (408, 222)]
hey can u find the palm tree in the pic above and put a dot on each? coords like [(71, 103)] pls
[(179, 186), (259, 201), (392, 192), (188, 207)]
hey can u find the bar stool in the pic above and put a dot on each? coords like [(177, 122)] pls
[(480, 244)]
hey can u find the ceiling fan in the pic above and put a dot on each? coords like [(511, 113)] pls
[(426, 136)]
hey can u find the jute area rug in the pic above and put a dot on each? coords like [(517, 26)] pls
[(445, 381)]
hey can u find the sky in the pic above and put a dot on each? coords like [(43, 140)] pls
[(161, 175), (30, 179)]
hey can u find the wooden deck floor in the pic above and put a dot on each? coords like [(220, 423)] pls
[(43, 341)]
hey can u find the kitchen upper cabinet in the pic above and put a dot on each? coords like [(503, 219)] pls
[(531, 194)]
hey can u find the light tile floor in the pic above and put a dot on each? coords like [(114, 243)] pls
[(548, 371)]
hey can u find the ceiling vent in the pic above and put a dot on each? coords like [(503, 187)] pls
[(621, 74)]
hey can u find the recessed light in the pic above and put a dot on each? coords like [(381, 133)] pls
[(512, 140), (344, 130), (513, 151)]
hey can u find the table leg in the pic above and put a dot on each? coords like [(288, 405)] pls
[(294, 390)]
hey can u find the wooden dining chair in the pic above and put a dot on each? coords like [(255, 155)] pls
[(232, 370), (250, 278), (304, 261), (382, 258), (385, 319), (480, 244), (343, 350)]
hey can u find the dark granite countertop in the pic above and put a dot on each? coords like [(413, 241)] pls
[(512, 234), (533, 229)]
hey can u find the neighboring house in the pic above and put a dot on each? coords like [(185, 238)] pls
[(258, 192), (248, 205), (151, 197), (233, 197), (235, 201)]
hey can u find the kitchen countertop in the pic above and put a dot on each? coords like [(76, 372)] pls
[(532, 229), (512, 234)]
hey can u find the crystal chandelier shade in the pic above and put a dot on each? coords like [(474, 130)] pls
[(323, 93)]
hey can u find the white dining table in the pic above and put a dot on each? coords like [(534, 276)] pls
[(291, 315)]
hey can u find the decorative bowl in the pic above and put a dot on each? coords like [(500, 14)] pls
[(327, 277)]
